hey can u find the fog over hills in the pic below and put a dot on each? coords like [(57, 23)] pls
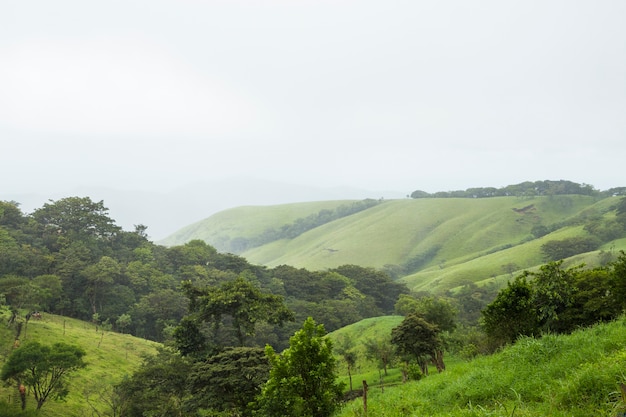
[(164, 212)]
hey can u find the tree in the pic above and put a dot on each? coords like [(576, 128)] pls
[(100, 276), (417, 338), (302, 379), (229, 380), (554, 289), (435, 310), (242, 301), (345, 348), (512, 313), (158, 388), (381, 351), (44, 369)]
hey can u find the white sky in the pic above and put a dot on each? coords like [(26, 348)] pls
[(402, 95)]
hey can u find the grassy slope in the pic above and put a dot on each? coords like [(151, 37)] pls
[(246, 222), (110, 356), (475, 237), (575, 375)]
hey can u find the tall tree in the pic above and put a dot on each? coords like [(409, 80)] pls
[(240, 300), (229, 380), (44, 369), (345, 349), (417, 338), (381, 351), (512, 313), (302, 379)]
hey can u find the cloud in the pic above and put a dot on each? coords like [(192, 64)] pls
[(117, 86)]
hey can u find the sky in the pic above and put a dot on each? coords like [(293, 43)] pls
[(375, 94)]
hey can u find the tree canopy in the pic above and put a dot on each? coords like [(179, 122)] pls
[(44, 369), (302, 380)]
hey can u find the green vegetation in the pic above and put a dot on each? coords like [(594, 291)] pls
[(440, 244), (302, 380), (557, 375), (109, 357), (467, 261), (42, 369)]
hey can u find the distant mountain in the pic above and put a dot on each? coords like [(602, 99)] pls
[(167, 211), (433, 244)]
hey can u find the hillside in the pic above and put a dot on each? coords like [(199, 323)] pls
[(110, 356), (434, 244), (557, 375)]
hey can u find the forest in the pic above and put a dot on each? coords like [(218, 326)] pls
[(215, 312)]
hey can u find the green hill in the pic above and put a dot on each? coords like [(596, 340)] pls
[(557, 375), (434, 244), (110, 356)]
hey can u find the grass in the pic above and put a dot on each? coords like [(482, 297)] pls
[(246, 222), (566, 375), (110, 356)]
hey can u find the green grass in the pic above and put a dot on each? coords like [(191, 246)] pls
[(246, 222), (110, 356), (568, 375)]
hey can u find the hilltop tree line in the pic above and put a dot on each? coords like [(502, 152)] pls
[(70, 258), (525, 189)]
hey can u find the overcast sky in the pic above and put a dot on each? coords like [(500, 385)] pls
[(399, 95)]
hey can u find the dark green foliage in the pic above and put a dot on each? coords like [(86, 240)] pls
[(555, 250), (554, 299), (189, 340), (43, 369), (241, 302), (302, 379), (435, 310), (417, 338), (553, 293), (157, 388), (229, 380), (512, 313), (375, 284)]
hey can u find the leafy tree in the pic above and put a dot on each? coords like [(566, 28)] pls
[(618, 273), (158, 388), (44, 369), (240, 300), (375, 284), (100, 276), (435, 310), (512, 313), (123, 322), (381, 351), (594, 300), (417, 338), (302, 379), (554, 289), (229, 380), (345, 349)]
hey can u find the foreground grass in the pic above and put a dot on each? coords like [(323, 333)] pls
[(110, 357), (575, 375)]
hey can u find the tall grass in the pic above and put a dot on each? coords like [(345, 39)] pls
[(557, 375)]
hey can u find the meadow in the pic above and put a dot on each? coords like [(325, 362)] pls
[(556, 375), (110, 357)]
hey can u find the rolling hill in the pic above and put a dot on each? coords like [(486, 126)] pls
[(556, 375), (110, 356), (433, 244)]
